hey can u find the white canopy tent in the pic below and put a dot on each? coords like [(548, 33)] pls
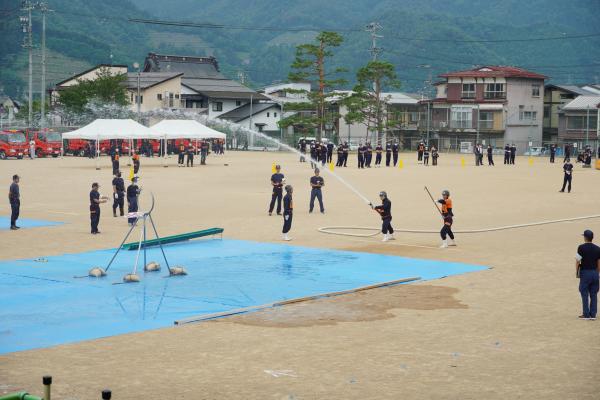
[(185, 129), (106, 129)]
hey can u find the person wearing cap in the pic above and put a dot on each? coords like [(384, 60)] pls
[(368, 155), (189, 162), (434, 155), (277, 180), (346, 151), (330, 152), (568, 175), (316, 183), (395, 149), (133, 191), (447, 215), (513, 153), (490, 155), (378, 154), (340, 156), (587, 265), (136, 163), (95, 200), (426, 156), (420, 150), (313, 154), (385, 211), (288, 211), (118, 194), (552, 153), (14, 198), (181, 154), (324, 153), (361, 155), (115, 162)]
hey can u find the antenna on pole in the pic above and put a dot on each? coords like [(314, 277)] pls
[(372, 28)]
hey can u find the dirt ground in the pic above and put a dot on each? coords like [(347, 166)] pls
[(504, 333)]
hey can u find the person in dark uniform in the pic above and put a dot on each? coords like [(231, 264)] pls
[(302, 146), (14, 198), (316, 183), (567, 153), (388, 154), (346, 151), (324, 153), (587, 265), (115, 163), (420, 149), (95, 200), (91, 150), (568, 176), (361, 155), (340, 156), (513, 153), (378, 153), (189, 162), (395, 149), (136, 163), (277, 180), (434, 155), (476, 151), (385, 211), (506, 154), (313, 154), (133, 191), (426, 156), (447, 215), (181, 154), (288, 212), (118, 194), (203, 152), (329, 152), (552, 153), (368, 155), (490, 154)]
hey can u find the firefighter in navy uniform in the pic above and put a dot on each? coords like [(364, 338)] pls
[(340, 156), (447, 214), (395, 149), (181, 154), (115, 163), (552, 153), (361, 156), (426, 156), (136, 162), (434, 155), (378, 153), (490, 155), (388, 154), (14, 198), (385, 211), (277, 180), (420, 150), (118, 194), (513, 153), (329, 152), (316, 183), (506, 154), (133, 191), (302, 146), (568, 176), (346, 151), (95, 200), (189, 162), (368, 155), (288, 211), (324, 153), (313, 154)]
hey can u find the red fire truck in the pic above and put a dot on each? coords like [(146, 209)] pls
[(13, 144), (46, 143)]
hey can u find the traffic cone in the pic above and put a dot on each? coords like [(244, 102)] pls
[(530, 160), (462, 161), (331, 166), (400, 164)]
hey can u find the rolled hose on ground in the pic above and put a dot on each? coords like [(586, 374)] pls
[(330, 229)]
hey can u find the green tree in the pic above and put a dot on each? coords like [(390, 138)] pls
[(366, 104), (311, 65), (106, 88)]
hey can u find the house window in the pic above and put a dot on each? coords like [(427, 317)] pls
[(567, 96), (132, 97), (580, 123), (268, 114), (527, 115), (468, 91), (494, 91), (461, 118), (217, 106), (535, 90), (177, 95), (486, 120), (547, 111), (275, 114), (141, 100), (170, 99), (238, 103), (159, 96)]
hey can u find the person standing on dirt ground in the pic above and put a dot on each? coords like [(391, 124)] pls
[(346, 151), (567, 152), (426, 156), (288, 211), (490, 155), (587, 265), (181, 154), (133, 191), (568, 176), (378, 153), (552, 153), (118, 194), (434, 155), (447, 215), (506, 154), (14, 198), (95, 200), (340, 156), (420, 150), (189, 162), (302, 146), (395, 149), (316, 183), (385, 211), (32, 148), (277, 180), (330, 152), (136, 162), (388, 153), (513, 153)]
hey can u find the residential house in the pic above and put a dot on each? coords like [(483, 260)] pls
[(203, 85), (555, 97), (158, 90), (497, 104), (87, 75), (578, 120), (260, 117)]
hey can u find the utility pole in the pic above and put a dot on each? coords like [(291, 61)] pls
[(44, 9), (27, 7), (372, 28)]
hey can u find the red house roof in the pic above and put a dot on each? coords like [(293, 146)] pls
[(492, 71)]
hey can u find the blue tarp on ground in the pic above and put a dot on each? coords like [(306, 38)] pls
[(25, 223), (42, 304)]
